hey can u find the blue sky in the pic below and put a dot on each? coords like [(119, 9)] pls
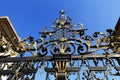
[(30, 16)]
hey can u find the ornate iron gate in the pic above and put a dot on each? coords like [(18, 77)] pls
[(63, 51)]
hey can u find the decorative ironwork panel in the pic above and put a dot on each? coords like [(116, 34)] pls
[(64, 51)]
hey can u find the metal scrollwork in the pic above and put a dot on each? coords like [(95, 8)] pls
[(70, 48), (82, 49), (42, 51), (57, 52), (67, 39), (54, 49)]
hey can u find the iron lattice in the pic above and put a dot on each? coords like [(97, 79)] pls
[(63, 51)]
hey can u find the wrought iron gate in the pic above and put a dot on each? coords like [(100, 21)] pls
[(63, 51)]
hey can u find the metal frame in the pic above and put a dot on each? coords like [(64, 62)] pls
[(66, 48)]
